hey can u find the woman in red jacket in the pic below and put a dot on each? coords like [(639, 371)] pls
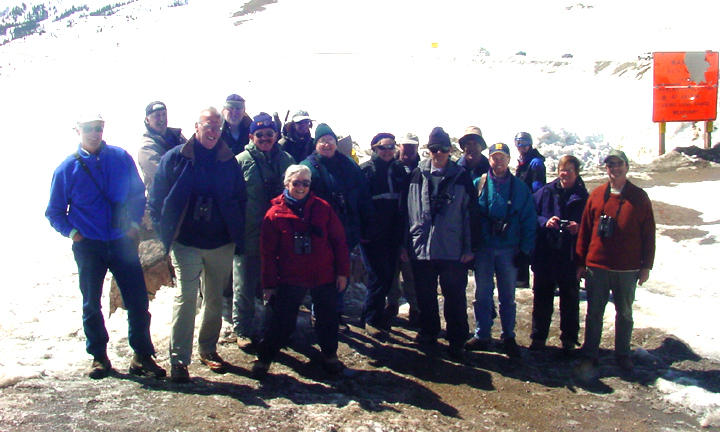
[(302, 246)]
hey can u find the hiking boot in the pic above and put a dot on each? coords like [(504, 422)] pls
[(179, 373), (523, 284), (144, 365), (391, 312), (259, 369), (333, 366), (343, 327), (537, 345), (246, 343), (414, 318), (568, 348), (424, 339), (375, 332), (100, 367), (213, 361), (475, 344), (624, 362), (511, 348), (456, 353)]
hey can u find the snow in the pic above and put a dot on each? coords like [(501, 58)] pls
[(363, 67)]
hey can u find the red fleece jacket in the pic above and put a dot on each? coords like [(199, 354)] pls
[(632, 245), (328, 259)]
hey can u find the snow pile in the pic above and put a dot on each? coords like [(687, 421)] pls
[(690, 393), (591, 150)]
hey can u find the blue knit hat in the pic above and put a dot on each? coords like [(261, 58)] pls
[(262, 121)]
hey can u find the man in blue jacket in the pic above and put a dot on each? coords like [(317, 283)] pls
[(507, 226), (97, 199), (197, 206)]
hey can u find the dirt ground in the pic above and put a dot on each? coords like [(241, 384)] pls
[(390, 385)]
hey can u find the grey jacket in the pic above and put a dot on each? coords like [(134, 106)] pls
[(445, 230), (154, 146)]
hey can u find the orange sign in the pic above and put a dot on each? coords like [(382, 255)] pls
[(685, 86)]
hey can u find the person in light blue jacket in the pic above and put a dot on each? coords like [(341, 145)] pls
[(507, 233)]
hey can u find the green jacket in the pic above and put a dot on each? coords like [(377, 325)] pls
[(264, 181)]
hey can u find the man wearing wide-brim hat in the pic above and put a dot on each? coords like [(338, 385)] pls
[(616, 250), (473, 144)]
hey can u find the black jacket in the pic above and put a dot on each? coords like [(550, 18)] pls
[(237, 145), (388, 183)]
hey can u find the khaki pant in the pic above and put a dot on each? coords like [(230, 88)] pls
[(599, 283), (196, 269)]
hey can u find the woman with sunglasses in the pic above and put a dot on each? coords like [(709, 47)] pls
[(303, 248)]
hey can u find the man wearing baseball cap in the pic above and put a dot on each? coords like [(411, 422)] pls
[(507, 224), (616, 250), (157, 140), (296, 138), (97, 199), (263, 165), (236, 124)]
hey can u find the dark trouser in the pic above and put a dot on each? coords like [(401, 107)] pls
[(94, 258), (523, 272), (561, 275), (383, 260), (598, 284), (453, 281), (284, 306)]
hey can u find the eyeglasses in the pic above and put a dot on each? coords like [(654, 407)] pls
[(88, 129), (264, 134), (386, 147), (210, 127), (303, 183), (439, 149)]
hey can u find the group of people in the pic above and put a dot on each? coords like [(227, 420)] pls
[(255, 215)]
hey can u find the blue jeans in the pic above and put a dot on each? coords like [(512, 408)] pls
[(94, 258), (247, 295), (491, 262)]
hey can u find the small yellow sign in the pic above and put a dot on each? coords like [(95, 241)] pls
[(435, 44)]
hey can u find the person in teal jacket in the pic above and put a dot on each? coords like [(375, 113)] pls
[(507, 227)]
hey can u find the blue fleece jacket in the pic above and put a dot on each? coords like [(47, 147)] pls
[(76, 202)]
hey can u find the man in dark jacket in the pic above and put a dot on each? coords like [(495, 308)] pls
[(339, 181), (97, 200), (296, 138), (441, 240), (387, 181), (236, 124), (559, 206), (197, 206), (473, 144), (531, 171), (408, 158), (157, 140)]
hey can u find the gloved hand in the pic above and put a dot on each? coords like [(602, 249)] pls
[(521, 259)]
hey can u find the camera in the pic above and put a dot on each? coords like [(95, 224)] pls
[(606, 226), (203, 209), (338, 198), (439, 202), (302, 244), (563, 224), (499, 227)]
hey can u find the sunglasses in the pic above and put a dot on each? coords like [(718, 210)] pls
[(264, 134), (439, 149), (614, 164), (303, 183), (88, 129), (522, 144), (387, 147)]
